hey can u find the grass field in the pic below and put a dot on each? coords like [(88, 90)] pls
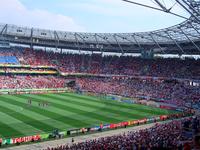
[(65, 111)]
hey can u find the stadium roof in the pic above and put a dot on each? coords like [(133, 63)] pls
[(183, 38)]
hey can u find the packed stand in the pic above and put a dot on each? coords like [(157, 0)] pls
[(178, 134), (30, 82), (127, 65), (172, 92), (96, 64)]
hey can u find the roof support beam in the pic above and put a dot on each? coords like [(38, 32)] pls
[(77, 42), (124, 38), (108, 42), (188, 10), (190, 39), (135, 42), (180, 48), (156, 43), (143, 37), (56, 39), (187, 33), (84, 42), (194, 28), (56, 34), (4, 28), (193, 9), (118, 44), (95, 36), (31, 38), (163, 36), (161, 6), (133, 35)]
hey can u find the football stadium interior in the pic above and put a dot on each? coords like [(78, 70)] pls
[(63, 85)]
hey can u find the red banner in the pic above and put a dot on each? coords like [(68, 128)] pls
[(117, 125), (112, 126), (124, 123), (26, 139), (142, 121)]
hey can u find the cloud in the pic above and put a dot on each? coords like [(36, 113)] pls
[(94, 15), (14, 12)]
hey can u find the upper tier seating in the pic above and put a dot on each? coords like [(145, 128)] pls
[(8, 60)]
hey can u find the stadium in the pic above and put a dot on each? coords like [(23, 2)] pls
[(62, 90)]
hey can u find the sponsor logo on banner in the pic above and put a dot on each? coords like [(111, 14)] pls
[(112, 126), (118, 124), (125, 123), (121, 124), (26, 139), (133, 122), (7, 141), (142, 120)]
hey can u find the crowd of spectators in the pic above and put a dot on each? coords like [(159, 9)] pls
[(173, 92), (161, 136), (96, 64), (178, 134), (30, 82), (127, 65)]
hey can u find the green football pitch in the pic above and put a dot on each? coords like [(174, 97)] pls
[(65, 111)]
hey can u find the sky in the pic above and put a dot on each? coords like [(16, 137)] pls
[(88, 15)]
